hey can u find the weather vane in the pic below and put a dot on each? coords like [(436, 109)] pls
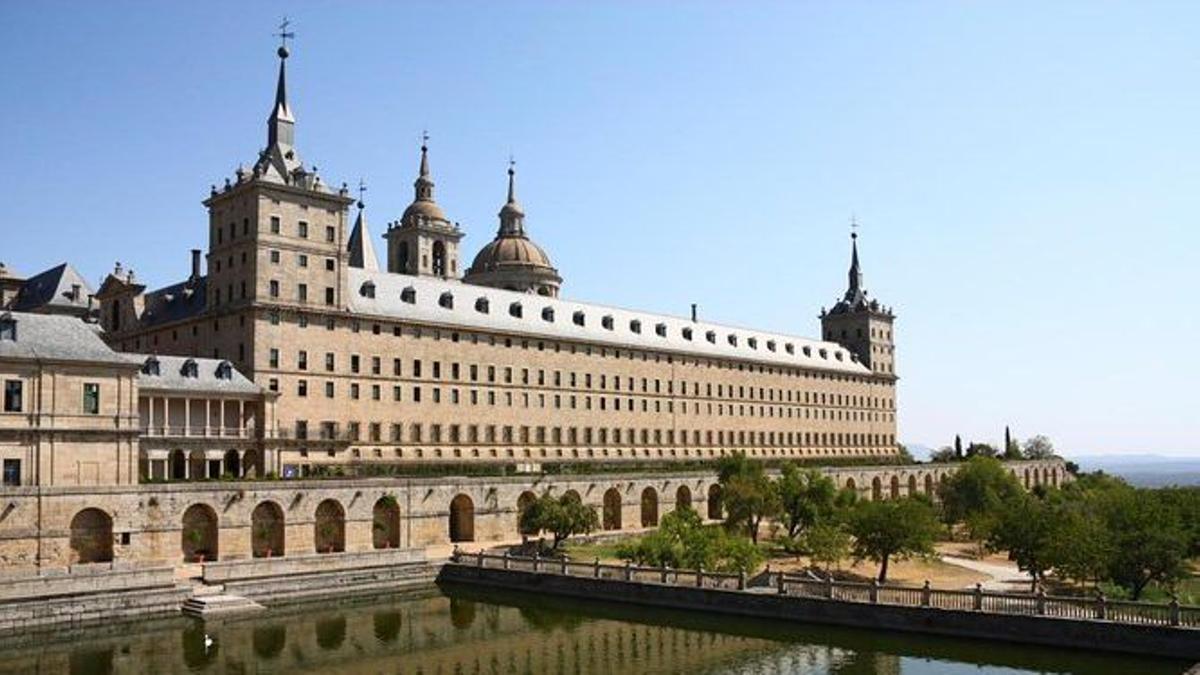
[(284, 35), (424, 137), (853, 226), (362, 187)]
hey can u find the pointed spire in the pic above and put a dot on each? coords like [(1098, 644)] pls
[(423, 187), (362, 251), (281, 125), (512, 217)]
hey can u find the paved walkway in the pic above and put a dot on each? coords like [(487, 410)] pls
[(1004, 577)]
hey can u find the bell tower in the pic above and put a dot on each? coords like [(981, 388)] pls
[(860, 323), (424, 242)]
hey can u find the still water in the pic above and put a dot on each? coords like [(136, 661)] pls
[(455, 630)]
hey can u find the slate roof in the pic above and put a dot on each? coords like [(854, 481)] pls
[(170, 375), (454, 303), (176, 302), (56, 337), (51, 291)]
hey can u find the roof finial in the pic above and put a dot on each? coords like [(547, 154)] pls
[(284, 35), (424, 152), (856, 277), (853, 226), (512, 171), (362, 187)]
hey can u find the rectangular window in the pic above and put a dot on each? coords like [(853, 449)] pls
[(329, 264), (91, 398), (274, 358), (302, 229), (328, 390), (329, 295), (302, 388), (274, 257), (302, 260), (274, 289), (354, 363), (12, 472), (274, 224), (302, 360), (330, 233), (12, 395), (329, 361), (302, 293)]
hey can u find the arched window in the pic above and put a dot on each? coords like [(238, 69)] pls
[(612, 509), (91, 537), (439, 259), (402, 257), (199, 534), (462, 519), (649, 507), (266, 531), (330, 533), (714, 502), (683, 498), (385, 526)]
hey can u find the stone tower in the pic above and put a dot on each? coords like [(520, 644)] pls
[(277, 233), (861, 324), (512, 260), (424, 242)]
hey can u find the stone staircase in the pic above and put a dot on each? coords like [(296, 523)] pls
[(210, 601)]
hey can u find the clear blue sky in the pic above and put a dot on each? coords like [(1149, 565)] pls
[(1026, 174)]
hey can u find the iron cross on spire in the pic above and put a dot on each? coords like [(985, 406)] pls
[(853, 226), (362, 187), (284, 35)]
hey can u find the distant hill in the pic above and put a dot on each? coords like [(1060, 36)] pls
[(1145, 470)]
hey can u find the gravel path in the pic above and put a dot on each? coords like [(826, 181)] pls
[(1004, 577)]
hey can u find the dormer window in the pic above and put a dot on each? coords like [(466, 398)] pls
[(753, 342), (770, 345), (8, 329), (367, 290), (635, 326), (578, 318), (548, 314), (824, 354), (808, 351), (224, 370), (151, 367), (190, 369), (732, 340), (481, 305), (607, 322), (711, 336), (515, 310), (409, 295), (837, 355), (687, 334), (446, 300), (661, 329), (789, 348)]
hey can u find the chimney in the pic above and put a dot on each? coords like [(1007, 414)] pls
[(74, 292), (693, 312), (195, 264)]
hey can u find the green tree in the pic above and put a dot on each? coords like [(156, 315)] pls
[(683, 541), (562, 517), (1012, 449), (827, 544), (748, 495), (1082, 545), (1149, 543), (893, 529), (1026, 529), (958, 449), (1039, 447), (981, 450), (976, 494), (943, 454), (806, 496)]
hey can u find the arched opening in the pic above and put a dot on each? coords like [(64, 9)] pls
[(402, 257), (266, 530), (250, 464), (439, 259), (330, 527), (572, 495), (683, 498), (929, 485), (876, 489), (91, 537), (714, 502), (178, 462), (385, 525), (1026, 479), (912, 485), (850, 485), (612, 509), (233, 464), (894, 488), (524, 501), (1054, 477), (1045, 476), (462, 519), (199, 533), (649, 507), (197, 466)]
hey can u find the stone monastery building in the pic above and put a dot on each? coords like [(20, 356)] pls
[(427, 361)]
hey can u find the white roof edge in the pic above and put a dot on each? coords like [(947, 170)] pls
[(387, 303)]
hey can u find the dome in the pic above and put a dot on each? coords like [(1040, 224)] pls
[(505, 252), (422, 208)]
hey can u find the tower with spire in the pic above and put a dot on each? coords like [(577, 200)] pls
[(424, 242), (860, 323), (512, 260)]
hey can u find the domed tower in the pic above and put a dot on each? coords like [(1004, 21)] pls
[(860, 323), (424, 242), (511, 260)]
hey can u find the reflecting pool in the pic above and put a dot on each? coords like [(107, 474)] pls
[(457, 630)]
